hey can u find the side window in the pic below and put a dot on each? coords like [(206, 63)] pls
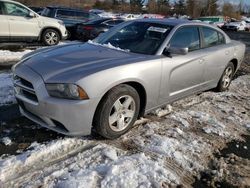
[(186, 37), (65, 14), (15, 10), (212, 37)]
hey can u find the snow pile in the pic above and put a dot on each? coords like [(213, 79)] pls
[(6, 89), (163, 111), (109, 45), (127, 171), (6, 141), (101, 165), (212, 124), (7, 56), (173, 143), (15, 165)]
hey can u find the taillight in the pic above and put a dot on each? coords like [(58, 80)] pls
[(88, 27)]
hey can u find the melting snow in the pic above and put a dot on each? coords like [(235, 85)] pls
[(7, 56)]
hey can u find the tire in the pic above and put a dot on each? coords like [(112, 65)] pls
[(50, 37), (226, 77), (111, 119)]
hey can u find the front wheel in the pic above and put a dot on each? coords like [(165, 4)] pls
[(50, 37), (117, 112), (226, 78)]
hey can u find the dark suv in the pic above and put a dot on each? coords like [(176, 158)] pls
[(69, 16)]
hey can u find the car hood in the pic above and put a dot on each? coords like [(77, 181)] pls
[(70, 63)]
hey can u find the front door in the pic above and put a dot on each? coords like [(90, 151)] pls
[(183, 74)]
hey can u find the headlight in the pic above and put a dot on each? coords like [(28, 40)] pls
[(66, 91)]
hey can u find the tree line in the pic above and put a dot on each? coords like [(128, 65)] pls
[(192, 8)]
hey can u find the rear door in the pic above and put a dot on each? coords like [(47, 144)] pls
[(217, 54), (22, 26), (183, 74), (4, 25)]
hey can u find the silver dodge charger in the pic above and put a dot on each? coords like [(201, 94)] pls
[(105, 85)]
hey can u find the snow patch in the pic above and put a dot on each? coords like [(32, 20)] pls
[(160, 112), (7, 56), (109, 45), (6, 89)]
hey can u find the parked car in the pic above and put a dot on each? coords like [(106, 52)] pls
[(247, 28), (132, 69), (219, 21), (69, 16), (90, 30), (235, 26), (18, 23)]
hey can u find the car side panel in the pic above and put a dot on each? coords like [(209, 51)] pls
[(23, 26), (216, 61), (181, 74)]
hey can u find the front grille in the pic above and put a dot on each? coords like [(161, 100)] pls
[(25, 88)]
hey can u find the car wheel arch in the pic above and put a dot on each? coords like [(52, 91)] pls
[(45, 28), (140, 90), (235, 63)]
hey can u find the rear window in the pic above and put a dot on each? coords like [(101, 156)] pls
[(66, 14), (212, 37), (82, 15), (47, 12), (113, 22)]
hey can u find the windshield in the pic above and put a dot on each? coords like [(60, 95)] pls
[(138, 37)]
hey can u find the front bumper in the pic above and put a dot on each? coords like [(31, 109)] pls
[(69, 117), (64, 33)]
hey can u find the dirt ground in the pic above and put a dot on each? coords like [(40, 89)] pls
[(210, 132)]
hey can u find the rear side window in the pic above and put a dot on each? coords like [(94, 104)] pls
[(15, 10), (82, 15), (186, 37), (212, 37)]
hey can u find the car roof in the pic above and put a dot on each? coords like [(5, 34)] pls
[(175, 22), (66, 8), (167, 21)]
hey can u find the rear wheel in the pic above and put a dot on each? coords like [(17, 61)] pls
[(50, 37), (226, 77), (117, 112)]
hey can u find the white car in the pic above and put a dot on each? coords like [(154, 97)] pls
[(18, 23), (235, 26)]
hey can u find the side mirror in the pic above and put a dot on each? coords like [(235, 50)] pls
[(32, 14), (176, 50)]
